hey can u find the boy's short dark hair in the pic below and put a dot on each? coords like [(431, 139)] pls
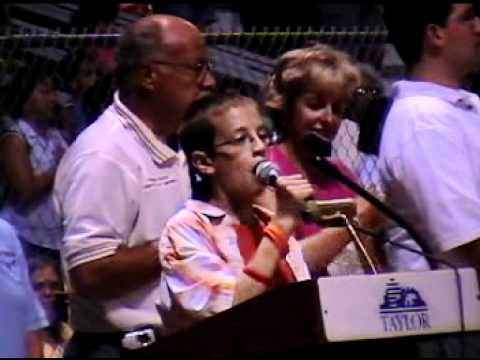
[(198, 133), (406, 26)]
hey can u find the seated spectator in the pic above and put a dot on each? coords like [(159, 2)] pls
[(47, 282), (137, 9), (234, 240), (21, 314), (215, 17), (195, 13), (30, 153), (308, 92), (80, 71), (94, 17)]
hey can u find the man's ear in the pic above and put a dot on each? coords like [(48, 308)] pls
[(148, 78), (435, 35), (203, 163)]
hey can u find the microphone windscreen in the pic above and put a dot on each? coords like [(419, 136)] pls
[(266, 172)]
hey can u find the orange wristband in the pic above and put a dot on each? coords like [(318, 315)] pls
[(278, 236), (257, 276)]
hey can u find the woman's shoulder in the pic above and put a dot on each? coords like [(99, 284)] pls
[(277, 154), (9, 126), (25, 130), (330, 188)]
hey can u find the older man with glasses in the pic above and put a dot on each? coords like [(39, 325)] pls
[(120, 182)]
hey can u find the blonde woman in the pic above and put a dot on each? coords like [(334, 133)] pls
[(309, 92)]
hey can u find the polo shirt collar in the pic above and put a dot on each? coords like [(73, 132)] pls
[(457, 97), (214, 212), (204, 208), (158, 149)]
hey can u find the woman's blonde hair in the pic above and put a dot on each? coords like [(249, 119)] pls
[(317, 67)]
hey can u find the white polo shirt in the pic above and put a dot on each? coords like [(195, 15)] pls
[(430, 163), (118, 184)]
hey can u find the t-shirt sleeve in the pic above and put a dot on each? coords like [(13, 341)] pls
[(435, 169), (99, 205)]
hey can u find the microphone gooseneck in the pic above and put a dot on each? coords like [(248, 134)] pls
[(327, 168)]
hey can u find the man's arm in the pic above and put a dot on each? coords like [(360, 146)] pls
[(34, 344), (100, 202), (437, 176), (115, 275)]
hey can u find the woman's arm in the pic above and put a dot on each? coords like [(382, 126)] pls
[(34, 344), (321, 248), (26, 186)]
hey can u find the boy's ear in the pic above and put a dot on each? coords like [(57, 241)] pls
[(202, 162)]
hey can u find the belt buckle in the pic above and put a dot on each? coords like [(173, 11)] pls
[(138, 339)]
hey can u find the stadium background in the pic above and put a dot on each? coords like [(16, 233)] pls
[(243, 42)]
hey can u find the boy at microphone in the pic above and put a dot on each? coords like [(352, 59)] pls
[(223, 248)]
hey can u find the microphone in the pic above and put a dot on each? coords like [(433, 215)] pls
[(322, 212), (266, 172)]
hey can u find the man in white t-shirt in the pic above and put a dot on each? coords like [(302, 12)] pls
[(429, 159), (429, 152), (121, 180)]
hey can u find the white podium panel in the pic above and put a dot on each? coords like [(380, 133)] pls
[(398, 304)]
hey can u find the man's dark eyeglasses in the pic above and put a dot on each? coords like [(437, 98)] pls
[(199, 69)]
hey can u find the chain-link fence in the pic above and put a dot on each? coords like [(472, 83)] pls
[(83, 64)]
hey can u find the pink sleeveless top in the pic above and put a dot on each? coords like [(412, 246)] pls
[(324, 189)]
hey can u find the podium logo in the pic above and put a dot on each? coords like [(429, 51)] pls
[(403, 309)]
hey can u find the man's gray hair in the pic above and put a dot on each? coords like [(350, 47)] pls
[(138, 44)]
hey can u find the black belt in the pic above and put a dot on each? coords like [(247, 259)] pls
[(130, 340)]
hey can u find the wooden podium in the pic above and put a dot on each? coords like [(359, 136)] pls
[(278, 320), (286, 321)]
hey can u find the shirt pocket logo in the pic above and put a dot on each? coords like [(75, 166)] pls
[(159, 181)]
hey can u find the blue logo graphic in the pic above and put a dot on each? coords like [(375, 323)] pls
[(403, 309)]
